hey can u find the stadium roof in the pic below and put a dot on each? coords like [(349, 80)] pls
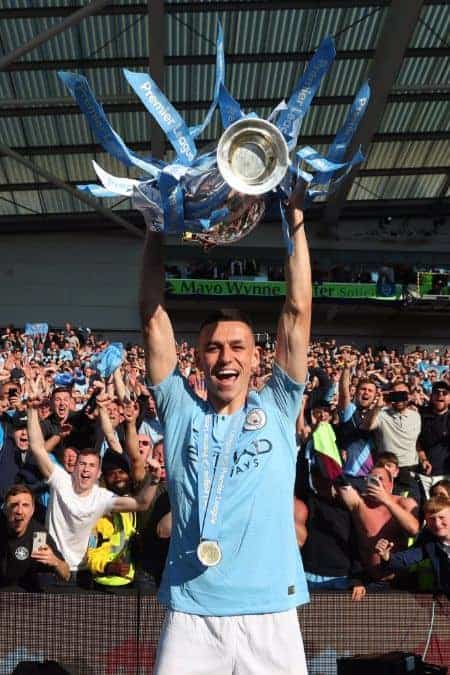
[(401, 46)]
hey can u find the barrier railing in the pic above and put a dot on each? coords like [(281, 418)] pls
[(96, 634)]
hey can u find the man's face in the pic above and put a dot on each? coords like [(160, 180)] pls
[(158, 454), (439, 524), (228, 356), (86, 472), (440, 400), (69, 459), (439, 491), (400, 405), (145, 445), (365, 394), (21, 439), (393, 469), (4, 403), (62, 404), (117, 480), (114, 413), (19, 511)]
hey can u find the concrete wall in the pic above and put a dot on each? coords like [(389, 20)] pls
[(91, 280)]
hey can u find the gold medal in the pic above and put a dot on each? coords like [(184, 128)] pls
[(209, 553)]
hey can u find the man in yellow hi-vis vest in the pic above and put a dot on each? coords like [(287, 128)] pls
[(109, 558)]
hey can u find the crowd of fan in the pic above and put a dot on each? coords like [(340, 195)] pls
[(82, 476)]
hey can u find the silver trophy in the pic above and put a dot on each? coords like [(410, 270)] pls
[(219, 196)]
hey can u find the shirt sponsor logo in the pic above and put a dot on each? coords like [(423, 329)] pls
[(21, 553)]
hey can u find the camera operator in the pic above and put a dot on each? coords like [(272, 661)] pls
[(397, 427)]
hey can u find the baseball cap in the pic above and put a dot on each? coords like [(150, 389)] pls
[(440, 385), (19, 420)]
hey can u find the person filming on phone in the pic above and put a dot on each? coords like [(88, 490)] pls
[(379, 514), (26, 548)]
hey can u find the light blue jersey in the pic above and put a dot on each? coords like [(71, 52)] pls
[(261, 569)]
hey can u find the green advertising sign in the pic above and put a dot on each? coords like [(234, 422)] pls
[(273, 289)]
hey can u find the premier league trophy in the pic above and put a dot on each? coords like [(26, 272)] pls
[(218, 197)]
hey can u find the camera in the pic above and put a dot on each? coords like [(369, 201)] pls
[(398, 396)]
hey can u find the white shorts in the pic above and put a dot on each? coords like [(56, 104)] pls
[(251, 644)]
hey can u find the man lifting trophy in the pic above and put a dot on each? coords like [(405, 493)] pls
[(234, 575)]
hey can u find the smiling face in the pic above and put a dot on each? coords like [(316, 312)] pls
[(227, 356), (86, 472), (62, 404), (439, 524)]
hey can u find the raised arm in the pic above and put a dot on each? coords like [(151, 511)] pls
[(295, 320), (159, 340), (344, 398), (37, 444), (147, 493)]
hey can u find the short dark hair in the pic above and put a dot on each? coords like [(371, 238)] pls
[(18, 489), (387, 458), (445, 483), (61, 390), (227, 314), (89, 451)]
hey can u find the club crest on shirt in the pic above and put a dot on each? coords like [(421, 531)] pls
[(21, 553), (256, 419)]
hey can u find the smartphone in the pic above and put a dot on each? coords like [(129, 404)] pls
[(39, 540), (373, 480)]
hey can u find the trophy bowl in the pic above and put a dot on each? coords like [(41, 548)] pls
[(252, 156)]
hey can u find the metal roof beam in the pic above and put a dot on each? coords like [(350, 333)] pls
[(189, 7), (209, 59), (81, 196), (396, 33), (357, 210), (35, 108), (396, 171), (72, 20), (91, 148)]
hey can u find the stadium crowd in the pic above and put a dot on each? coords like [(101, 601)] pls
[(82, 476)]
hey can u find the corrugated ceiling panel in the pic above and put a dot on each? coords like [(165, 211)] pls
[(42, 131), (362, 35), (367, 188), (11, 131), (6, 88), (17, 173), (28, 202), (415, 116), (323, 119), (432, 28), (412, 187), (6, 207), (344, 78), (423, 71)]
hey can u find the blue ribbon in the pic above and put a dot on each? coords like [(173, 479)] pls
[(220, 78), (212, 479), (165, 114), (172, 202), (100, 126), (322, 182), (108, 360), (230, 110), (289, 120)]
